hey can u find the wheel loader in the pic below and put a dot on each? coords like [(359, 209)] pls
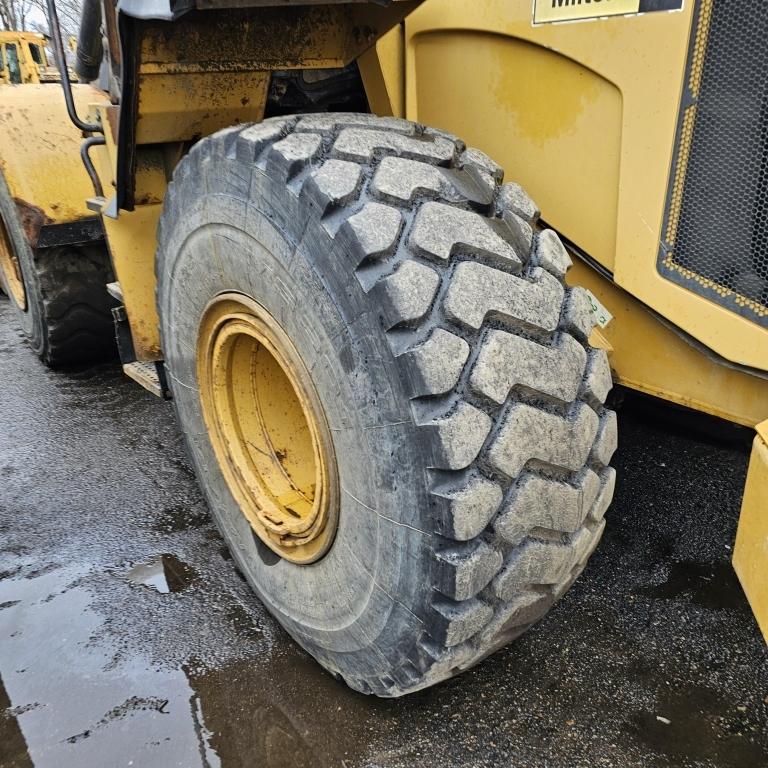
[(23, 59), (387, 260)]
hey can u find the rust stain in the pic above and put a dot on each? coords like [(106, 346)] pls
[(113, 116), (32, 219)]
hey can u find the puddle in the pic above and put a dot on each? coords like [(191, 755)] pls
[(164, 573), (710, 585), (695, 724), (64, 707), (85, 703)]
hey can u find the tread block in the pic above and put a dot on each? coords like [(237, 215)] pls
[(464, 570), (598, 381), (335, 183), (578, 317), (541, 502), (477, 290), (400, 180), (252, 141), (453, 623), (360, 145), (293, 153), (469, 506), (437, 363), (484, 172), (408, 292), (537, 562), (506, 360), (551, 253), (224, 142), (607, 439), (531, 433), (472, 156), (372, 232), (439, 230), (458, 436), (520, 232), (519, 610), (584, 543), (605, 496), (512, 197), (329, 121)]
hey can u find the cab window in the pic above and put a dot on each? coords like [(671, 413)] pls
[(37, 56), (12, 58)]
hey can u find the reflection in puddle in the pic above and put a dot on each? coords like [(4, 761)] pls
[(87, 714), (13, 747), (164, 573), (84, 702)]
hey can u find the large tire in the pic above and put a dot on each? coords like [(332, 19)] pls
[(67, 314), (465, 402)]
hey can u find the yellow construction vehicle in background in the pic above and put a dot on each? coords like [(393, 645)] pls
[(23, 59), (393, 395)]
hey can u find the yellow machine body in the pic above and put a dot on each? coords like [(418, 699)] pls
[(23, 59), (44, 173), (583, 113), (750, 555)]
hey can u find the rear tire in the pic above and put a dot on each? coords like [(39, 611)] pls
[(465, 403), (67, 314)]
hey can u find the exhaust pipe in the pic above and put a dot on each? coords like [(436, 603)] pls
[(90, 50)]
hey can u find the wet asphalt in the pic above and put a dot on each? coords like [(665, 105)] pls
[(127, 637)]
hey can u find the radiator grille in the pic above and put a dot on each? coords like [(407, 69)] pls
[(715, 235)]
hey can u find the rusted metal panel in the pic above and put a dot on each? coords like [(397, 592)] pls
[(206, 70)]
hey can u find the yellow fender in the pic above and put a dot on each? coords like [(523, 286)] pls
[(40, 155)]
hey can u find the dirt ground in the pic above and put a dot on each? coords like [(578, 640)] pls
[(127, 638)]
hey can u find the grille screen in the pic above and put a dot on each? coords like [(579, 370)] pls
[(715, 239)]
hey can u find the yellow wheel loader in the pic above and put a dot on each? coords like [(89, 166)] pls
[(390, 363), (23, 59)]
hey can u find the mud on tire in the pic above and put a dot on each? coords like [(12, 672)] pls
[(465, 402)]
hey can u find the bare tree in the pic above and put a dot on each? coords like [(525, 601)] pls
[(69, 15), (32, 15), (14, 13)]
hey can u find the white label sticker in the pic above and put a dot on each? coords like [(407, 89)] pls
[(548, 11), (602, 315)]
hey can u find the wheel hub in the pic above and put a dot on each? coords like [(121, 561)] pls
[(267, 428)]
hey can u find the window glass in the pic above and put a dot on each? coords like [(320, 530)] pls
[(12, 56), (36, 55)]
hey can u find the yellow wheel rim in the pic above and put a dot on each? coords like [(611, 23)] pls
[(11, 269), (267, 428)]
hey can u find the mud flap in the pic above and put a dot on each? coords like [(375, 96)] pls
[(750, 556)]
